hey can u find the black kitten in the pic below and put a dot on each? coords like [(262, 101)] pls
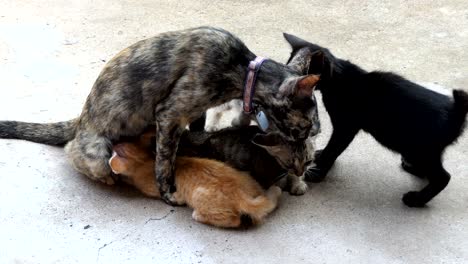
[(401, 115)]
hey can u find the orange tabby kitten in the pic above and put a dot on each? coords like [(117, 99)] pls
[(220, 195)]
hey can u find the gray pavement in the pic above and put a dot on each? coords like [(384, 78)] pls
[(51, 51)]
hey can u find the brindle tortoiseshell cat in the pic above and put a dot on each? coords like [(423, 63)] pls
[(171, 80), (219, 194)]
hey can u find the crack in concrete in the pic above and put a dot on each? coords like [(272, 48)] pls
[(128, 234), (160, 218), (108, 244)]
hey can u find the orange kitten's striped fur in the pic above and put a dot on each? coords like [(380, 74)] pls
[(220, 195)]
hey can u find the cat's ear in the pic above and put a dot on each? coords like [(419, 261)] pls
[(308, 62), (274, 144), (294, 41), (271, 142), (300, 62), (117, 163), (300, 86), (305, 86), (321, 64)]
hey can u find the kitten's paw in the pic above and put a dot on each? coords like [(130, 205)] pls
[(282, 183), (315, 174), (274, 191), (197, 217), (109, 180), (298, 188), (210, 128), (170, 199), (413, 199)]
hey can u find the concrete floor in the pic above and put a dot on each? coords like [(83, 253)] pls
[(51, 51)]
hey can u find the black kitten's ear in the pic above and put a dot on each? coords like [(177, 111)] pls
[(267, 140), (295, 42), (300, 62), (317, 62)]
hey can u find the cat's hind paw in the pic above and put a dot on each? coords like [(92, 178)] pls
[(171, 199), (108, 180)]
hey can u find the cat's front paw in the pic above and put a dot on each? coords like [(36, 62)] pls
[(274, 192), (413, 199), (298, 188), (315, 174), (211, 128), (170, 199)]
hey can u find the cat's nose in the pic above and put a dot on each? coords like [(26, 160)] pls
[(298, 171)]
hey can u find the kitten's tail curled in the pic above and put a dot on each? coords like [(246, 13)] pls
[(255, 209), (47, 133), (460, 98)]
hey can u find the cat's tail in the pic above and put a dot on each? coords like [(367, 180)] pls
[(46, 133), (460, 98), (255, 209)]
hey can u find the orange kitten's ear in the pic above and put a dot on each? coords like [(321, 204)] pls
[(117, 163)]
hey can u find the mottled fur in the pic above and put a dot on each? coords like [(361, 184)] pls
[(266, 157), (219, 194), (232, 142), (403, 116), (211, 120), (170, 80)]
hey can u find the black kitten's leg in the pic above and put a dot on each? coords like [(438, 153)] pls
[(324, 159), (438, 179), (168, 136), (408, 166), (198, 124)]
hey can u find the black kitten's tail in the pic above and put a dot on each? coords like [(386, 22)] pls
[(49, 133), (460, 98)]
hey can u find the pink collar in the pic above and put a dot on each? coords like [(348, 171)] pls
[(249, 86)]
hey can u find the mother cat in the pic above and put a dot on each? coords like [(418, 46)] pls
[(171, 80)]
